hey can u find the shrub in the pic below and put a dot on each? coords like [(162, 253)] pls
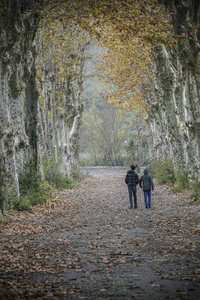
[(22, 203), (163, 171), (195, 190), (61, 181), (78, 176), (4, 219), (183, 179), (29, 179), (182, 182), (32, 191), (50, 166)]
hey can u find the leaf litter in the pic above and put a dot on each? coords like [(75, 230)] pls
[(93, 247)]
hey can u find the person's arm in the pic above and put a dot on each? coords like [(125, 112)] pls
[(126, 179), (137, 179), (152, 185), (140, 182)]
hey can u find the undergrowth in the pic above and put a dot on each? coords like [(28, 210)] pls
[(34, 191), (163, 171), (4, 219), (195, 190), (178, 181)]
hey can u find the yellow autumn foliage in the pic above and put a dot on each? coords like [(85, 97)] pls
[(129, 29)]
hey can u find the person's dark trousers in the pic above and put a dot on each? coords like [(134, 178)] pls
[(147, 198), (132, 194)]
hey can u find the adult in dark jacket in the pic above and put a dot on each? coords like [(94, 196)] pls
[(132, 179), (146, 181)]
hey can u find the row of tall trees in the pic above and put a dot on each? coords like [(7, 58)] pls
[(110, 137), (41, 68), (128, 32), (59, 68), (103, 135), (152, 62)]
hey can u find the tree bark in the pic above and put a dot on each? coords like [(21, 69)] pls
[(174, 117), (16, 61)]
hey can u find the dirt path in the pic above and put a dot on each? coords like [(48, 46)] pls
[(94, 247)]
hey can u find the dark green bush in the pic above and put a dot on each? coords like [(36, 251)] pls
[(195, 190), (22, 203), (29, 179), (4, 219), (32, 190), (163, 171), (78, 176), (182, 182), (61, 181), (183, 179)]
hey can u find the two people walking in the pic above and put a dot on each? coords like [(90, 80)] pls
[(145, 182)]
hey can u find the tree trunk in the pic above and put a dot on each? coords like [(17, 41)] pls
[(137, 147), (16, 60), (174, 117), (58, 121), (31, 115)]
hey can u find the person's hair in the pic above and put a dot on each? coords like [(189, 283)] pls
[(132, 168)]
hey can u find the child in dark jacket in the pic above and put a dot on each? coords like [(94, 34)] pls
[(146, 181), (132, 179)]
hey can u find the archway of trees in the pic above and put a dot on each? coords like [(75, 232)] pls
[(151, 64)]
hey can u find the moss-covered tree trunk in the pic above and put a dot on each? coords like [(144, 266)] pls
[(60, 106), (17, 123), (33, 130), (58, 126), (174, 118)]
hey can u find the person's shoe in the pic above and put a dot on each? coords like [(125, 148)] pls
[(135, 206), (146, 206), (149, 205), (131, 206)]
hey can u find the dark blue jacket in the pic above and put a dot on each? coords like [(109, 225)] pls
[(147, 181), (132, 178)]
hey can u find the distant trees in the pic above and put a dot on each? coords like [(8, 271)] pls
[(104, 135), (109, 138), (60, 60)]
